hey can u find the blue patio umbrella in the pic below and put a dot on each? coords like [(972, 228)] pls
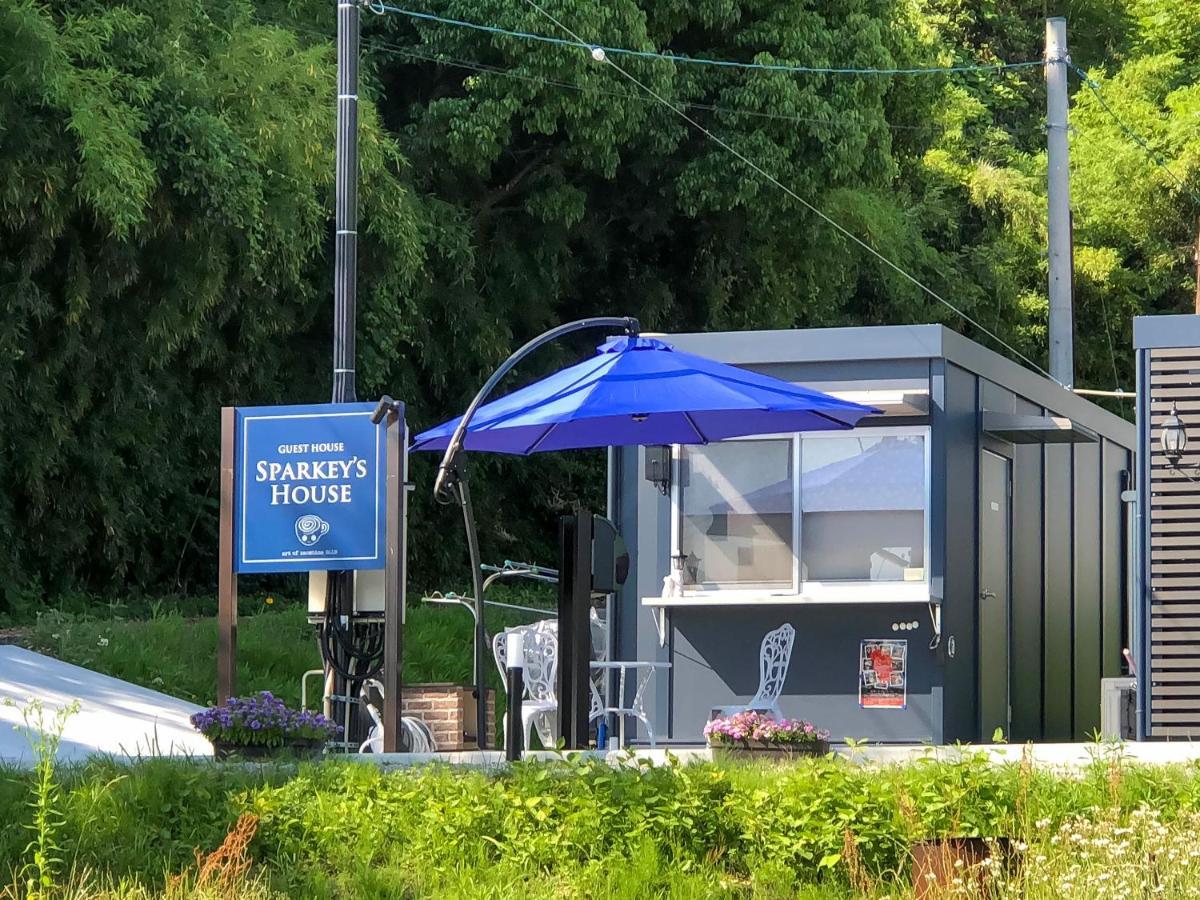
[(633, 391), (640, 390)]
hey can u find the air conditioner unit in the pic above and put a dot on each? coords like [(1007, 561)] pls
[(1118, 709)]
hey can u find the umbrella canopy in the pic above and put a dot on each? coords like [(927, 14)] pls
[(638, 391)]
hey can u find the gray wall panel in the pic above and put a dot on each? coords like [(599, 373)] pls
[(653, 550), (1027, 571), (863, 370), (995, 398), (716, 657), (961, 433), (1087, 590), (1057, 558), (1114, 634)]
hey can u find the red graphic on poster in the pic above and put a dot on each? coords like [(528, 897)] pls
[(882, 674)]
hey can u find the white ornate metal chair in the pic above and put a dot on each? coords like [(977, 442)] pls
[(636, 707), (539, 706), (599, 628), (775, 655)]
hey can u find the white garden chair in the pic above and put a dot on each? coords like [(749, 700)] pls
[(599, 635), (774, 657), (539, 706)]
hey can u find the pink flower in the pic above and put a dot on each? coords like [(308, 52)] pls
[(748, 725)]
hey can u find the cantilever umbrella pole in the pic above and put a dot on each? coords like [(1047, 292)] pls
[(626, 323), (480, 642), (452, 480)]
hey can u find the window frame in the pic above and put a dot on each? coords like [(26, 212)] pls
[(814, 591)]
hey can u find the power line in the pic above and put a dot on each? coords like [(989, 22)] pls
[(1154, 155), (791, 193), (381, 8), (473, 65)]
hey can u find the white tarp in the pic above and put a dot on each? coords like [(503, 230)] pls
[(114, 717)]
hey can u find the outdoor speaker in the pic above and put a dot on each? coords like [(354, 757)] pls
[(658, 467), (610, 558)]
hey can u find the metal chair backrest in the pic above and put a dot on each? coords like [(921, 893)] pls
[(541, 657), (775, 656), (599, 635), (541, 661)]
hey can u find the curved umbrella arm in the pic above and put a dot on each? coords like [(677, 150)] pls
[(445, 472)]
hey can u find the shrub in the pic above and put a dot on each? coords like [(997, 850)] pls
[(578, 828)]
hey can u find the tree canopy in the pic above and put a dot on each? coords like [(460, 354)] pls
[(166, 221)]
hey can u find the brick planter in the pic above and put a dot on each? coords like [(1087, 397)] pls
[(449, 711)]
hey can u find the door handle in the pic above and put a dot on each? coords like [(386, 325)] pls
[(987, 595)]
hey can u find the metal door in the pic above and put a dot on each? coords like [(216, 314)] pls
[(995, 564)]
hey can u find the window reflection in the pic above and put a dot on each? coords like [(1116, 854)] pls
[(862, 501), (736, 520)]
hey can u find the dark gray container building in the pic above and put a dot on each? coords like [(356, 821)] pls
[(1167, 614), (979, 520)]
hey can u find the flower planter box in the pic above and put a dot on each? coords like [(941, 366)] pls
[(222, 750), (262, 727), (770, 752)]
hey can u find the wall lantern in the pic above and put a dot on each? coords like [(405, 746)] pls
[(1174, 436)]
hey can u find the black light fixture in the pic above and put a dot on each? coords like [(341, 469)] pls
[(1174, 436)]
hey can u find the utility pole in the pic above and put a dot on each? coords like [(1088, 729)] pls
[(340, 585), (1058, 190), (345, 263)]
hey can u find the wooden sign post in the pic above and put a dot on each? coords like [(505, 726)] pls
[(311, 489)]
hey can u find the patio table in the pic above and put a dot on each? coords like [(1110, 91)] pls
[(645, 674)]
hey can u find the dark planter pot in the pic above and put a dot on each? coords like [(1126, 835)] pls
[(770, 752), (223, 750), (934, 864)]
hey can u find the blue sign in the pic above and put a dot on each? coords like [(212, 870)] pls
[(310, 488)]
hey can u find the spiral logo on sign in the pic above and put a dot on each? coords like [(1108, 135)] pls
[(310, 529)]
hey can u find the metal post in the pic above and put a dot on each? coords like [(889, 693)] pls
[(1058, 190), (574, 627), (480, 643), (345, 269), (515, 730), (226, 576), (393, 588), (566, 581), (1141, 541), (345, 246)]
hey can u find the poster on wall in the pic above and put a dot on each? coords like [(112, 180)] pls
[(883, 674)]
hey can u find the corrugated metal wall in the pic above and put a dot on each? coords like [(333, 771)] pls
[(1173, 512), (1069, 569)]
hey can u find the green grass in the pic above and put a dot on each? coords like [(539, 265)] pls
[(818, 829), (175, 653)]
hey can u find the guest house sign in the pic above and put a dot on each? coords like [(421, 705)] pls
[(309, 488)]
